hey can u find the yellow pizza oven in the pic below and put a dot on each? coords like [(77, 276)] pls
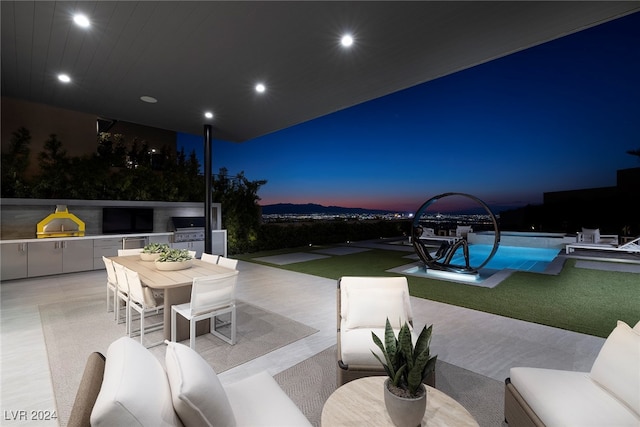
[(60, 224)]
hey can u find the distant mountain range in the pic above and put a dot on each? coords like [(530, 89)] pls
[(312, 208)]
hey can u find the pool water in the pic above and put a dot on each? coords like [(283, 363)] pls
[(511, 257)]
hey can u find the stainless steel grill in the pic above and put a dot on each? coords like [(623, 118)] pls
[(187, 229)]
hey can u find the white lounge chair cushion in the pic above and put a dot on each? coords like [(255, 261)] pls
[(198, 397), (370, 308), (570, 399), (392, 288), (591, 235), (258, 401), (356, 346), (617, 367), (135, 390)]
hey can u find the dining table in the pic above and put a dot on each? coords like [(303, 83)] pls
[(176, 286)]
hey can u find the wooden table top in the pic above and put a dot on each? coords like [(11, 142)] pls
[(159, 279), (361, 402)]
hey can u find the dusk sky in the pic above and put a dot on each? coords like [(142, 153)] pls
[(558, 116)]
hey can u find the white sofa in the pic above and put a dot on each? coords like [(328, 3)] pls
[(608, 395), (135, 390)]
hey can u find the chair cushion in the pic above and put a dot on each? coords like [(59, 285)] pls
[(591, 235), (198, 396), (370, 308), (135, 390), (258, 401), (356, 346), (567, 398), (617, 367)]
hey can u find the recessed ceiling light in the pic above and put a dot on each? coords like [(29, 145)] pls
[(208, 115), (64, 78), (260, 88), (346, 40), (149, 99), (81, 20)]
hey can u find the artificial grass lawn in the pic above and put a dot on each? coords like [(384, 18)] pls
[(578, 299)]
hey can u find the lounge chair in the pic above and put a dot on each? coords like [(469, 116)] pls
[(592, 235), (430, 234), (632, 246), (461, 231)]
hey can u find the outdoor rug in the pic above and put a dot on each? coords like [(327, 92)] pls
[(77, 328), (310, 383)]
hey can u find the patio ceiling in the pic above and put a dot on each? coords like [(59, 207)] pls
[(208, 55)]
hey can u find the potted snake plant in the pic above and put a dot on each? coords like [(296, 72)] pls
[(174, 259), (407, 367)]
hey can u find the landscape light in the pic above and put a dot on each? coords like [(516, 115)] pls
[(208, 115), (64, 78), (260, 88)]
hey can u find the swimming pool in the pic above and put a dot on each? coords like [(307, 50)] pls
[(511, 257)]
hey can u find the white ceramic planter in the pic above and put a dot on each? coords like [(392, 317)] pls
[(172, 266), (149, 257), (405, 412)]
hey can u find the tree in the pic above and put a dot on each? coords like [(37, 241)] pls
[(53, 181), (14, 165), (240, 210)]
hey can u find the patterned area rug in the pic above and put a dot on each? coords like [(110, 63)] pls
[(77, 328)]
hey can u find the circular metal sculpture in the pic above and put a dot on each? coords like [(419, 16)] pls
[(441, 260)]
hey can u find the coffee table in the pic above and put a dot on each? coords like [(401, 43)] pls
[(361, 402)]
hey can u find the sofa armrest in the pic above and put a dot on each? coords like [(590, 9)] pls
[(516, 410), (87, 391)]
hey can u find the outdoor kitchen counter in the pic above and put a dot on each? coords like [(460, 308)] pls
[(33, 257), (86, 237)]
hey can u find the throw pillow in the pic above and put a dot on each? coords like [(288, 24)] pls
[(135, 390), (198, 396), (617, 367), (370, 308)]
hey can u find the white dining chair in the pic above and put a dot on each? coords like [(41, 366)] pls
[(193, 254), (211, 296), (112, 287), (228, 262), (128, 252), (122, 295), (142, 300), (212, 259)]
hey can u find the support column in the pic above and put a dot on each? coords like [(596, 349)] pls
[(208, 191)]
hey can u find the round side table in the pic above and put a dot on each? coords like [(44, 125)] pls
[(361, 402)]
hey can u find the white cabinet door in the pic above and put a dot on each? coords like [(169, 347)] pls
[(77, 255), (13, 261), (105, 247), (44, 258)]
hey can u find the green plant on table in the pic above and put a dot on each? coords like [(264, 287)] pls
[(407, 366), (155, 248), (174, 255)]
